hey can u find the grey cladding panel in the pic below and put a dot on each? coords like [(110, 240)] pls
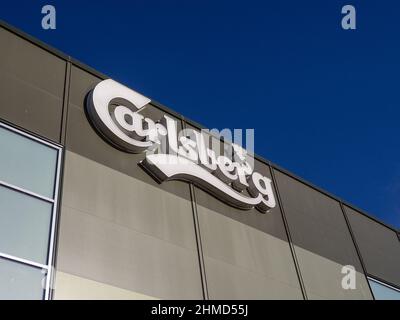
[(379, 246), (247, 255), (322, 241), (133, 233), (93, 248), (31, 86), (316, 222)]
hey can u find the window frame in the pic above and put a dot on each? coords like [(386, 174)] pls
[(49, 273)]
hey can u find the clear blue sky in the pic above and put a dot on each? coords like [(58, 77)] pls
[(324, 102)]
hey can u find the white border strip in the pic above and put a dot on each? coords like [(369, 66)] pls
[(27, 192), (24, 261)]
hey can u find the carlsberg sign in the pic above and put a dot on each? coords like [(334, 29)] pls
[(172, 154)]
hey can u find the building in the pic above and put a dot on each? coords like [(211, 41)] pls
[(85, 215)]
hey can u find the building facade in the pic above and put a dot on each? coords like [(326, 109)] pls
[(82, 217)]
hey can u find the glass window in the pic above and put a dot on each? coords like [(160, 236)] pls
[(28, 202), (19, 281), (24, 225), (383, 292), (27, 164)]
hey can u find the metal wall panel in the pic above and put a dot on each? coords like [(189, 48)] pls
[(246, 253), (322, 241), (124, 256), (379, 247), (70, 287), (118, 226), (31, 86)]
